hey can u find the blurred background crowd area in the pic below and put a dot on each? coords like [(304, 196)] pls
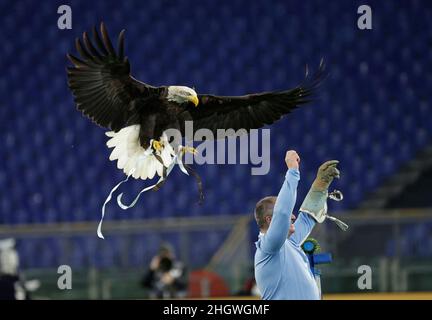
[(373, 114)]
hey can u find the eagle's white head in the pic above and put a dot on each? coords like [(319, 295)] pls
[(182, 94)]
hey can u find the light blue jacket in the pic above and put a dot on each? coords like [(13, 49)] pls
[(282, 270)]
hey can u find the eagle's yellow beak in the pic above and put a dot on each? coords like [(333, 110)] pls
[(194, 100)]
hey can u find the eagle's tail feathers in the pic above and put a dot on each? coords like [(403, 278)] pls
[(133, 158)]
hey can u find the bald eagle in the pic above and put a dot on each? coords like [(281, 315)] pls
[(137, 114)]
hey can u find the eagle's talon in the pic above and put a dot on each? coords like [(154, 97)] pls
[(157, 145), (186, 149)]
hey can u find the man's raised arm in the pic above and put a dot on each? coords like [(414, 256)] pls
[(276, 235), (314, 207)]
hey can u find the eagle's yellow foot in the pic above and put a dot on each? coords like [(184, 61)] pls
[(186, 149), (157, 145)]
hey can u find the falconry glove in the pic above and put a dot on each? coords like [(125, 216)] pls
[(315, 202)]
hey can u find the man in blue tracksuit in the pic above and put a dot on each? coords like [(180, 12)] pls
[(282, 269)]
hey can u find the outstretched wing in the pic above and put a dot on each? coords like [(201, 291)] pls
[(101, 83), (251, 111)]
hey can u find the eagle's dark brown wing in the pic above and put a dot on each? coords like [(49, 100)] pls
[(250, 111), (101, 82)]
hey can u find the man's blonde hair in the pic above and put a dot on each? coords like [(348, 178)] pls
[(264, 208)]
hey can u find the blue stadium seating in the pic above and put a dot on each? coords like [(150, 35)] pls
[(373, 113)]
